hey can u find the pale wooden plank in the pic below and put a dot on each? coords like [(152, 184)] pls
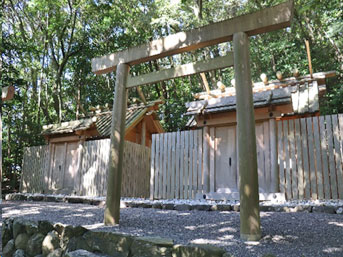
[(186, 165), (165, 161), (206, 163), (177, 164), (332, 167), (338, 157), (274, 172), (323, 139), (190, 170), (307, 183), (173, 162), (182, 165), (267, 157), (160, 180), (318, 158), (157, 165), (212, 159), (195, 163), (260, 159), (294, 173), (168, 169), (339, 150), (152, 166), (287, 160), (200, 161), (281, 157), (313, 178), (300, 170)]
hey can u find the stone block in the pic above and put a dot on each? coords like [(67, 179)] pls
[(19, 253), (6, 231), (35, 198), (31, 227), (236, 207), (197, 251), (201, 207), (21, 241), (56, 253), (75, 200), (151, 247), (182, 207), (168, 206), (44, 227), (70, 231), (34, 245), (19, 226), (76, 243), (157, 206), (108, 243), (9, 249), (50, 243), (339, 210), (324, 209), (224, 207), (82, 253)]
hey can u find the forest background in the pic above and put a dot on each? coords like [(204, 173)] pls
[(47, 47)]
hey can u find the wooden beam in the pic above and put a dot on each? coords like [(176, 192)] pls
[(7, 93), (181, 71), (204, 80), (266, 20)]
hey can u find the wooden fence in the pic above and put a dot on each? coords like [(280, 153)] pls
[(176, 165), (91, 177), (310, 157)]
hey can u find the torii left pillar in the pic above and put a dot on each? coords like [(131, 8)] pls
[(112, 210)]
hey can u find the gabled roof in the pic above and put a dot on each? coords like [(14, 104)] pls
[(287, 91), (101, 121)]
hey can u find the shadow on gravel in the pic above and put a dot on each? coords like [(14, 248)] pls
[(284, 234)]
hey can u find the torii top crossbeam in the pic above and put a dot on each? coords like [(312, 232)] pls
[(266, 20)]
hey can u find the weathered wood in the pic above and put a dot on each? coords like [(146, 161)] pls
[(267, 153), (165, 166), (195, 163), (200, 161), (294, 175), (274, 172), (186, 166), (323, 140), (190, 164), (340, 182), (205, 82), (206, 162), (182, 165), (288, 176), (332, 168), (338, 157), (181, 71), (281, 157), (318, 158), (152, 167), (260, 155), (168, 169), (173, 162), (312, 163), (249, 195), (307, 183), (7, 93), (112, 210), (212, 159), (262, 21), (177, 165), (300, 170)]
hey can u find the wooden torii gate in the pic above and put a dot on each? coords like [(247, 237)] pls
[(7, 93), (237, 29)]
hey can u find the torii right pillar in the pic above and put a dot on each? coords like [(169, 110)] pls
[(249, 194)]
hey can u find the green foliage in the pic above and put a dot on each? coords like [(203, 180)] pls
[(47, 47)]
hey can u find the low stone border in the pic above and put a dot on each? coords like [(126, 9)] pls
[(199, 206), (22, 237)]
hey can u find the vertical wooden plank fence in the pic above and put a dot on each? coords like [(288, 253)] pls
[(316, 169)]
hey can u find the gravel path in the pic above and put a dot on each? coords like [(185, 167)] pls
[(284, 234)]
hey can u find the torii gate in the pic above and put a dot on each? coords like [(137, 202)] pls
[(237, 29)]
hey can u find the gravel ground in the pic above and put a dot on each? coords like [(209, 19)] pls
[(284, 234)]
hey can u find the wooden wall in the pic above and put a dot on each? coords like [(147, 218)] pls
[(83, 170), (310, 157)]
